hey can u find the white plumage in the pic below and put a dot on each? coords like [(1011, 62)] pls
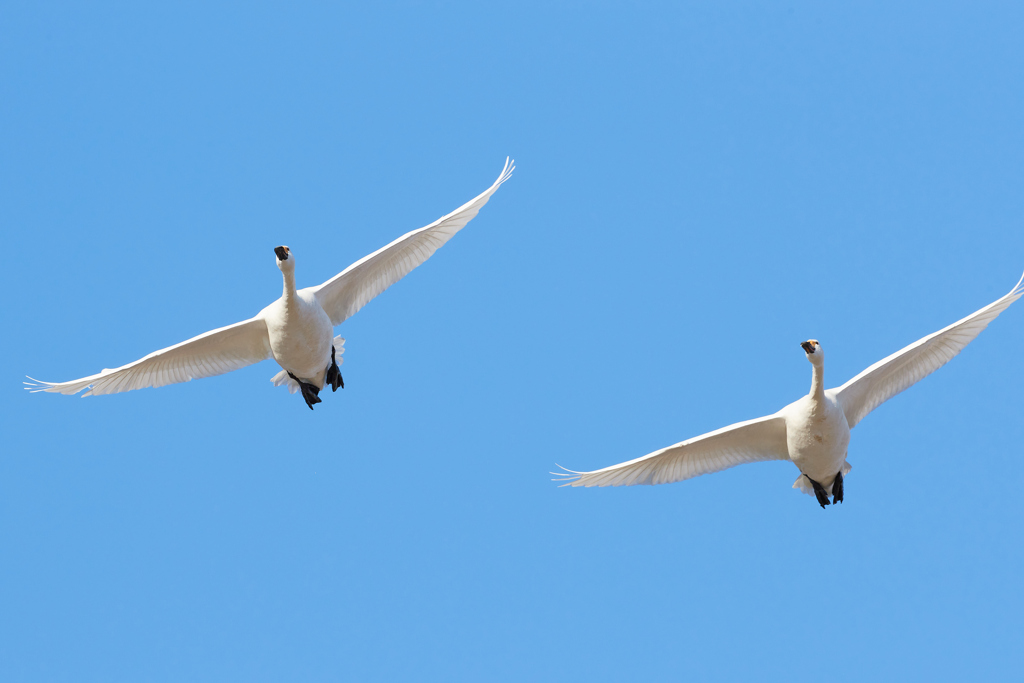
[(295, 330), (211, 353), (813, 431), (910, 365)]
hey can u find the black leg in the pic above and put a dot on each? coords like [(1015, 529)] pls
[(309, 392), (819, 493), (837, 488), (334, 374)]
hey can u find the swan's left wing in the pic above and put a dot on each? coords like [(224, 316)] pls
[(211, 353), (743, 442), (910, 365), (344, 294)]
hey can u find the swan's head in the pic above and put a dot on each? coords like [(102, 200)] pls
[(813, 349), (284, 258)]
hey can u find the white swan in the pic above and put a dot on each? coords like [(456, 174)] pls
[(296, 330), (812, 432)]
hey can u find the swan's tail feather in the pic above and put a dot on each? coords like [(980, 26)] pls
[(804, 484), (284, 379)]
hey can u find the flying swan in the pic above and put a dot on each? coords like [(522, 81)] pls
[(297, 330), (812, 432)]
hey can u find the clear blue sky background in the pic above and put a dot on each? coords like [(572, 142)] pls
[(700, 187)]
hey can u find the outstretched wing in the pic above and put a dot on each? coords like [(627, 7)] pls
[(344, 294), (910, 365), (212, 353), (743, 442)]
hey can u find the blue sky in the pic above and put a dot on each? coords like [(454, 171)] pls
[(700, 187)]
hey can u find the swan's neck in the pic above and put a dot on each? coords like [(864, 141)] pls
[(289, 284), (818, 381)]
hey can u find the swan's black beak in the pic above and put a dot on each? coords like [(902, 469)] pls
[(281, 252), (807, 346)]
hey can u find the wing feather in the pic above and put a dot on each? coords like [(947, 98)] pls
[(743, 442), (211, 353), (910, 365), (344, 294)]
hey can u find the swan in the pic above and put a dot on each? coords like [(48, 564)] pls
[(297, 330), (814, 431)]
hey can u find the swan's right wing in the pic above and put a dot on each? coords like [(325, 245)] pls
[(212, 353), (345, 293), (911, 364), (743, 442)]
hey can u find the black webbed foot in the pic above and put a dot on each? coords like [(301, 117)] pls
[(334, 374), (819, 493), (837, 488), (309, 391)]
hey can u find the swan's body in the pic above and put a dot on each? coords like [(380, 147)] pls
[(812, 432), (300, 336), (817, 436), (297, 330)]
